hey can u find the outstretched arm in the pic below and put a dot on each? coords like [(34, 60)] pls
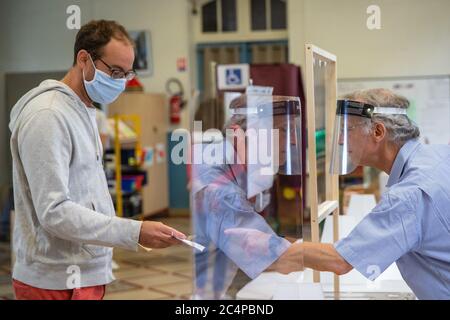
[(317, 256), (324, 257)]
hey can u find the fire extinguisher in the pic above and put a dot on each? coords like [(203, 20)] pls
[(176, 101)]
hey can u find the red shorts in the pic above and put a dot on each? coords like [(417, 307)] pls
[(26, 292)]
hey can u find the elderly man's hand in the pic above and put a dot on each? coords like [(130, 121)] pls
[(158, 235)]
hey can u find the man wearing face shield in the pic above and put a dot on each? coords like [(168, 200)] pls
[(262, 139), (411, 223)]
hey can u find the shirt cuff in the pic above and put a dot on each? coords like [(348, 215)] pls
[(277, 247), (346, 252), (130, 232)]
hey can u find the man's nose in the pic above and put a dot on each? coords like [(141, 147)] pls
[(293, 140), (293, 137), (341, 138)]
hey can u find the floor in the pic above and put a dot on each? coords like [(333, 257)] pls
[(160, 274)]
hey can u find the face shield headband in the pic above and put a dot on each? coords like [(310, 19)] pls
[(365, 110)]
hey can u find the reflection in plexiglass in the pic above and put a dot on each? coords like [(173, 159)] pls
[(246, 195)]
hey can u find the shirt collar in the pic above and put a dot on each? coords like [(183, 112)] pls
[(400, 161)]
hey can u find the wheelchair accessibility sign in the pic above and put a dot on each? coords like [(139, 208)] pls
[(233, 76)]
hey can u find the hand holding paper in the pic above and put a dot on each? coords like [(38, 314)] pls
[(158, 235), (193, 244)]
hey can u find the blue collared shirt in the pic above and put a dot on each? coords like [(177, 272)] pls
[(410, 225)]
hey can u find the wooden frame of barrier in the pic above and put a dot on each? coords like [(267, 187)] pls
[(320, 211)]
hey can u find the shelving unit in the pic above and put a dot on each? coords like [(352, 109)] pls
[(152, 140), (130, 142)]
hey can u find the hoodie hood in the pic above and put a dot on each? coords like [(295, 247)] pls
[(44, 86)]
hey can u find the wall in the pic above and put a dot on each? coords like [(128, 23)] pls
[(413, 40), (168, 23), (244, 32), (41, 40), (3, 138), (37, 38), (34, 37), (3, 116)]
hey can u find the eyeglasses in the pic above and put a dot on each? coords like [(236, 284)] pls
[(350, 128), (353, 127), (118, 73)]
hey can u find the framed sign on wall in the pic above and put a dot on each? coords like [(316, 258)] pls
[(143, 62)]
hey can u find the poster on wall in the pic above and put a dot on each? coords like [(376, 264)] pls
[(181, 64), (148, 156), (160, 153), (143, 61)]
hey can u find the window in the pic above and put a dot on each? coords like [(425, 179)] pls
[(278, 14), (258, 14), (210, 20), (229, 21), (209, 17), (268, 14)]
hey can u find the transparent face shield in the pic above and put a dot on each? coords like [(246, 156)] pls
[(351, 133), (273, 138), (353, 120)]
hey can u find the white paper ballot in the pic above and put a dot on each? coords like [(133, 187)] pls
[(192, 244)]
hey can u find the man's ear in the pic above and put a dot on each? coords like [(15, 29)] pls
[(235, 127), (239, 142), (239, 134), (82, 58), (379, 131)]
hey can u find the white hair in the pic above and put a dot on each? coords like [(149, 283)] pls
[(399, 127)]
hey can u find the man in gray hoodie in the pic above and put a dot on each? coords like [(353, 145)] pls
[(65, 225)]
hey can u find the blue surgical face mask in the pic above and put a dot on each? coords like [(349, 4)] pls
[(102, 88)]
